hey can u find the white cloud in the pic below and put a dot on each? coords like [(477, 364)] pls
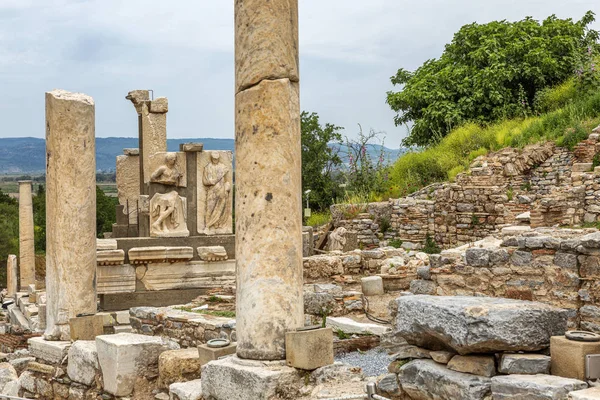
[(183, 49)]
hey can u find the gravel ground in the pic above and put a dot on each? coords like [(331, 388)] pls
[(373, 362)]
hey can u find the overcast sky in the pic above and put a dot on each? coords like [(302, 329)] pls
[(183, 49)]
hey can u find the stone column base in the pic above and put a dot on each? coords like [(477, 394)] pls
[(233, 378)]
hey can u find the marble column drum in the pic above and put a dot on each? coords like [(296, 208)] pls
[(12, 285), (70, 210), (268, 178), (26, 239)]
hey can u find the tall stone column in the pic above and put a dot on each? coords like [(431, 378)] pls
[(70, 210), (12, 285), (268, 177), (26, 242)]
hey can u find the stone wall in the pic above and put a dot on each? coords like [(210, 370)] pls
[(554, 185), (559, 267)]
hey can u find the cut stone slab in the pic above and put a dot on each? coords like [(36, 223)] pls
[(534, 387), (191, 390), (86, 327), (51, 351), (524, 364), (568, 356), (16, 317), (428, 380), (127, 356), (586, 394), (309, 349), (160, 254), (372, 286), (477, 324), (208, 354), (106, 244), (476, 365), (178, 366), (83, 362), (115, 278), (350, 326), (232, 378), (110, 257)]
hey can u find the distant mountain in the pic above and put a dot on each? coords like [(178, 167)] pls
[(27, 155)]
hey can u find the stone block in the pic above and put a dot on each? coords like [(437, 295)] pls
[(106, 244), (350, 326), (208, 354), (524, 364), (122, 317), (160, 254), (131, 151), (407, 352), (319, 303), (191, 390), (418, 286), (125, 357), (178, 366), (232, 378), (115, 278), (212, 253), (110, 257), (309, 349), (83, 362), (476, 365), (8, 377), (441, 356), (428, 380), (449, 322), (186, 275), (160, 105), (86, 327), (533, 387), (568, 356), (191, 147), (477, 257), (581, 167), (122, 329), (51, 351), (586, 394), (372, 286)]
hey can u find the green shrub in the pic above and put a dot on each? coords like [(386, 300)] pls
[(431, 246), (396, 243), (318, 219), (384, 224)]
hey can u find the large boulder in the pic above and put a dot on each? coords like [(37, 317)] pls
[(428, 380), (83, 362), (477, 324), (534, 387)]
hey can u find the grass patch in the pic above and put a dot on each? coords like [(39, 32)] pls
[(569, 117), (318, 219), (216, 313)]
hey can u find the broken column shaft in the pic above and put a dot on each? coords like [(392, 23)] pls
[(268, 177), (70, 210), (26, 240)]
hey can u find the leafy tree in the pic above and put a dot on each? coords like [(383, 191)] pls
[(488, 72), (105, 212), (319, 159), (365, 174), (9, 231)]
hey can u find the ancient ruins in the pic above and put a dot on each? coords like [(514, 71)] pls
[(174, 303)]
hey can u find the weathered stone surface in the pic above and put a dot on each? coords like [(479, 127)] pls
[(533, 387), (350, 326), (524, 364), (441, 356), (70, 210), (26, 247), (318, 303), (476, 365), (128, 184), (215, 193), (266, 42), (160, 254), (110, 257), (410, 352), (106, 244), (477, 257), (230, 378), (477, 324), (208, 354), (83, 362), (389, 386), (322, 266), (51, 351), (8, 377), (212, 253), (12, 275), (268, 207), (86, 327), (568, 356), (126, 356), (372, 286), (178, 366), (188, 275), (115, 278), (428, 380), (309, 349), (585, 394), (418, 286), (191, 390)]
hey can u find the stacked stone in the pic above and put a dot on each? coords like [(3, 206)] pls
[(411, 221), (366, 228), (442, 358), (552, 173), (330, 300), (187, 329)]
